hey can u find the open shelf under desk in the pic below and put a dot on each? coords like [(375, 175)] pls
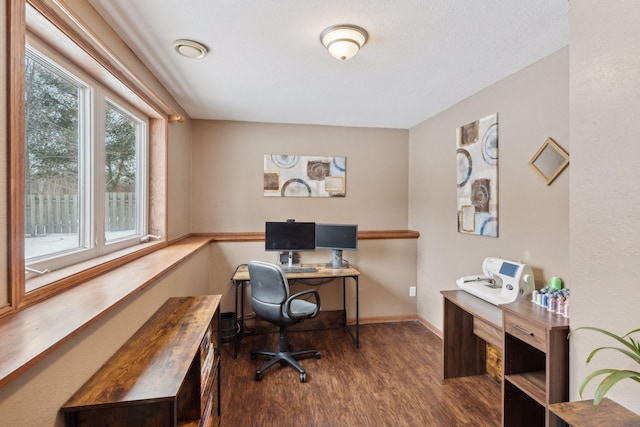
[(530, 383)]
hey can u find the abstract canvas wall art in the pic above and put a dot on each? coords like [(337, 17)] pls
[(304, 176), (477, 173)]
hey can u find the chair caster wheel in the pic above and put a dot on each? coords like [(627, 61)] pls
[(254, 356), (303, 377), (258, 376), (317, 355)]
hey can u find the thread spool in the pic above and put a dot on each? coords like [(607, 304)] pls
[(555, 283)]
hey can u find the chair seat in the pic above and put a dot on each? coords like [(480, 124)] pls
[(301, 307)]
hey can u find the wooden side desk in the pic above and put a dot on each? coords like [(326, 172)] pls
[(241, 278), (535, 352)]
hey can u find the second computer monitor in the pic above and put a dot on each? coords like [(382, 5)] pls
[(337, 237)]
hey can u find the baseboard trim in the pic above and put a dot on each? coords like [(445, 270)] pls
[(383, 319), (429, 326), (333, 319)]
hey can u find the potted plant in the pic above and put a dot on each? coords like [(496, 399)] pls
[(630, 348)]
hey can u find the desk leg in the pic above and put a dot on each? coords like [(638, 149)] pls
[(239, 306), (357, 312), (236, 341), (344, 302), (464, 352), (356, 337)]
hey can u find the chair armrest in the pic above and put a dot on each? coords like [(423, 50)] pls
[(287, 303)]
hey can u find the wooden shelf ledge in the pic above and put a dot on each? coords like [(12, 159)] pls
[(257, 236)]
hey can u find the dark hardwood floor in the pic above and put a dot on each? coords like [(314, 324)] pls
[(394, 379)]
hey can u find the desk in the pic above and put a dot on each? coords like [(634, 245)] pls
[(241, 278), (535, 362)]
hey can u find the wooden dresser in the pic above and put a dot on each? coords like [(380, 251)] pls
[(166, 374)]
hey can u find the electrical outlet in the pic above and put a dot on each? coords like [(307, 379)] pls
[(412, 291)]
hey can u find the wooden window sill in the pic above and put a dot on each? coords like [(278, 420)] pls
[(72, 275), (55, 323)]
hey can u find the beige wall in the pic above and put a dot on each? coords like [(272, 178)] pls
[(532, 105), (179, 180), (227, 196), (605, 177), (228, 175)]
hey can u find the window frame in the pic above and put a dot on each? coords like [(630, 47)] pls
[(49, 59), (94, 100), (80, 46)]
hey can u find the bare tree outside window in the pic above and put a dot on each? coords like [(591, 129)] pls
[(52, 107), (121, 134)]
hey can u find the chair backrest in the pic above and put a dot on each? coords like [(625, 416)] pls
[(269, 290)]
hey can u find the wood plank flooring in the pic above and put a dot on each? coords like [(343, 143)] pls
[(394, 379)]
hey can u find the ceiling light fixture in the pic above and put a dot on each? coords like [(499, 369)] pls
[(343, 41), (190, 49)]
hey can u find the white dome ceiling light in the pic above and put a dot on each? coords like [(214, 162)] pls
[(190, 49), (343, 41)]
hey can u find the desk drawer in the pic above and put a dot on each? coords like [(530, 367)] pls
[(487, 332), (525, 331)]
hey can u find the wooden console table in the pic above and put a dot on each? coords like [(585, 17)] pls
[(582, 414), (166, 374)]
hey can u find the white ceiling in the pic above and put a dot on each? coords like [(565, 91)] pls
[(266, 63)]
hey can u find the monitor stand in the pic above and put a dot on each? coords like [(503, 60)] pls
[(289, 259), (337, 261)]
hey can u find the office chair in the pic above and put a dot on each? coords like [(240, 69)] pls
[(271, 301)]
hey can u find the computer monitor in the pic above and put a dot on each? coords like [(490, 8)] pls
[(290, 236), (337, 237)]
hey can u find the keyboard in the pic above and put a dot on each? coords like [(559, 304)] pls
[(299, 269)]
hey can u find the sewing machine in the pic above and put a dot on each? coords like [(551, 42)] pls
[(502, 283)]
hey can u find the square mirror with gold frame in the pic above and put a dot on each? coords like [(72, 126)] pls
[(549, 161)]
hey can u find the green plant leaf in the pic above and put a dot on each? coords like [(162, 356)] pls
[(632, 354), (592, 376), (631, 349), (632, 332), (610, 381)]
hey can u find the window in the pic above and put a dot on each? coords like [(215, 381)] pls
[(87, 155), (54, 106), (124, 172), (75, 128)]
